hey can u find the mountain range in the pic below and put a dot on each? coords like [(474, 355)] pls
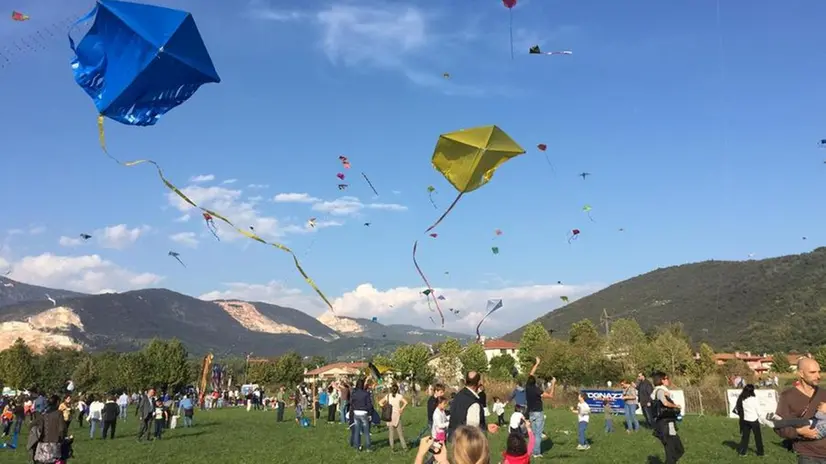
[(126, 321), (767, 305)]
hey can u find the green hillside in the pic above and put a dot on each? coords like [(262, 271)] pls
[(776, 304)]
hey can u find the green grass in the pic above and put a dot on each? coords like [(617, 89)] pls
[(238, 436)]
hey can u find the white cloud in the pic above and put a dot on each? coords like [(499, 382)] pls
[(229, 181), (202, 178), (120, 236), (228, 202), (255, 199), (295, 198), (406, 305), (89, 274), (37, 230), (376, 35), (15, 231), (183, 218), (258, 186), (70, 241), (347, 205), (185, 238)]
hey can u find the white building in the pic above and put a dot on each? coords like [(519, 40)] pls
[(495, 348)]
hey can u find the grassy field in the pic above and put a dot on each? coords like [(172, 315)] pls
[(238, 436)]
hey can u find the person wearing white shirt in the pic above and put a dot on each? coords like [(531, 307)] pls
[(583, 412), (748, 409), (499, 410), (123, 402), (440, 421), (516, 420), (95, 416)]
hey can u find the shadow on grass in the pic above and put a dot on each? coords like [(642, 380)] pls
[(654, 460)]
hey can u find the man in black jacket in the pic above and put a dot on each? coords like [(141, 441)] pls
[(466, 409), (110, 414), (644, 390), (145, 409)]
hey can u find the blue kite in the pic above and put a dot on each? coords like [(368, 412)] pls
[(139, 61)]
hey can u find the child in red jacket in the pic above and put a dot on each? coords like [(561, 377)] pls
[(518, 451)]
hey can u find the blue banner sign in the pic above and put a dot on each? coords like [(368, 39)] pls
[(596, 400)]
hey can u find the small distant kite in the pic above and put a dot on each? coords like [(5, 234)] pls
[(441, 297), (210, 223), (587, 209), (340, 176), (367, 224), (621, 229), (564, 299), (427, 292), (446, 75), (430, 190), (584, 175), (823, 143), (573, 235), (559, 282), (495, 250), (51, 299), (18, 16), (344, 162), (311, 222), (493, 306), (542, 147), (177, 256), (498, 232), (374, 319), (536, 51), (85, 236), (434, 235), (342, 186)]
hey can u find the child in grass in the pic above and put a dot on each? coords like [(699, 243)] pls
[(609, 415), (517, 421), (519, 450), (499, 410), (159, 415), (583, 412), (440, 422)]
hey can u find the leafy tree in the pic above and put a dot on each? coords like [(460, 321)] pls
[(780, 363), (314, 362), (17, 366), (473, 358), (501, 367), (133, 372), (412, 360), (263, 372), (532, 342), (820, 355), (559, 360), (167, 363), (381, 360), (626, 342), (670, 353), (448, 365), (55, 366), (288, 370), (706, 364), (106, 367), (737, 367), (85, 375), (584, 334)]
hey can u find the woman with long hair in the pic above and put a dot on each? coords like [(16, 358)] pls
[(361, 411), (394, 427), (748, 409)]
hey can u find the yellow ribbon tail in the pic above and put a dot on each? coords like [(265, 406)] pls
[(169, 185)]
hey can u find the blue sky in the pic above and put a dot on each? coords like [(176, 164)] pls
[(701, 136)]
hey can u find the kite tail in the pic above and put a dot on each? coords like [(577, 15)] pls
[(511, 30), (243, 232), (370, 183), (416, 245), (424, 278), (430, 195)]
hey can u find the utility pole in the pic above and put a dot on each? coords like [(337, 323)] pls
[(606, 320)]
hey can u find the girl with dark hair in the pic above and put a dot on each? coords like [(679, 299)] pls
[(361, 412), (394, 427), (748, 409)]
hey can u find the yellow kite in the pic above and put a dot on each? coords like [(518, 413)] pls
[(468, 158)]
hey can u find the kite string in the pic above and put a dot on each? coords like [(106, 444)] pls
[(370, 183), (510, 10), (178, 192)]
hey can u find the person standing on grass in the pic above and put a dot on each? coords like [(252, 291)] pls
[(664, 412), (65, 410), (465, 408), (536, 416), (188, 409), (398, 403), (609, 416), (280, 404), (361, 412), (159, 414), (631, 398), (644, 390), (344, 401), (801, 401), (583, 412), (332, 404), (95, 415), (123, 403), (144, 412), (109, 416), (748, 410)]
